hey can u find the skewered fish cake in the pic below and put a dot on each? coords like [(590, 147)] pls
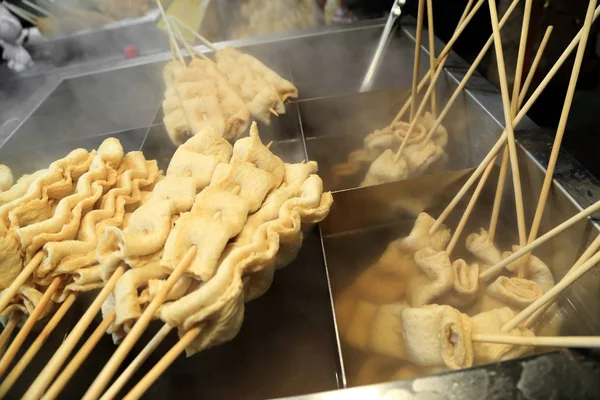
[(238, 260), (380, 149), (64, 223), (25, 301), (149, 225), (491, 322), (6, 178), (69, 256), (197, 96), (52, 185), (396, 298), (260, 87)]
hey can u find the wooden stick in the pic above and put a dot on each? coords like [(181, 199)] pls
[(590, 251), (552, 293), (430, 31), (419, 112), (53, 366), (141, 358), (13, 320), (521, 57), (470, 71), (79, 357), (508, 120), (417, 58), (430, 90), (465, 188), (504, 164), (492, 271), (31, 352), (498, 197), (535, 64), (550, 341), (19, 281), (273, 112), (562, 124), (193, 32), (28, 326), (524, 110), (190, 49), (268, 146), (148, 380), (138, 329), (439, 62), (170, 31), (470, 206)]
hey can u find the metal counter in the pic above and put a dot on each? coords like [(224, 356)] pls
[(289, 343)]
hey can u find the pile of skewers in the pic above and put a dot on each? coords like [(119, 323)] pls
[(189, 248), (417, 311), (222, 94)]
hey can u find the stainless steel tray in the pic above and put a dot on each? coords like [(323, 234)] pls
[(288, 345)]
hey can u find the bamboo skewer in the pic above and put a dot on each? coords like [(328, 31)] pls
[(32, 351), (492, 271), (19, 281), (53, 366), (138, 328), (443, 56), (552, 293), (524, 110), (521, 57), (431, 33), (85, 350), (550, 341), (204, 40), (562, 124), (465, 217), (535, 64), (590, 251), (498, 196), (513, 113), (172, 39), (144, 384), (508, 120), (273, 112), (417, 58), (430, 91), (470, 71), (13, 320), (141, 358), (190, 49), (14, 347), (504, 164)]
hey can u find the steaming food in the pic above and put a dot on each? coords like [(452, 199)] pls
[(261, 88), (419, 156), (245, 223), (242, 206), (221, 95), (417, 306)]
